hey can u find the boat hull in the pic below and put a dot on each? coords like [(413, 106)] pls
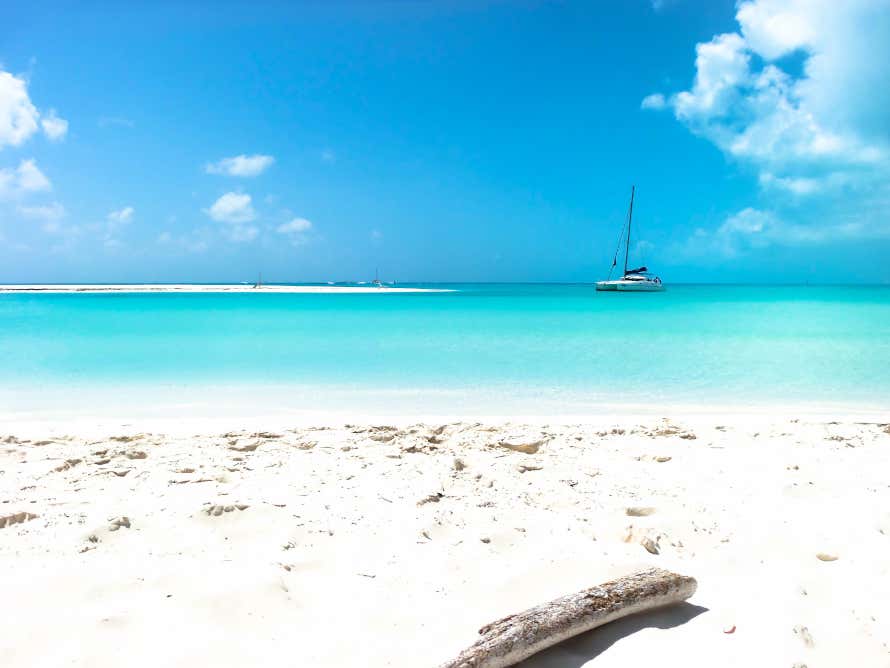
[(629, 286)]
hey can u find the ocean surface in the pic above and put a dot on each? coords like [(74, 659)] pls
[(490, 349)]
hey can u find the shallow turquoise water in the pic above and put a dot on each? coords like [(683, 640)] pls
[(690, 344)]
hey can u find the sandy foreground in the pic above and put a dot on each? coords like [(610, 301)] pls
[(192, 288), (390, 545)]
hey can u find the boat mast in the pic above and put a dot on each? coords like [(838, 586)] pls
[(630, 216)]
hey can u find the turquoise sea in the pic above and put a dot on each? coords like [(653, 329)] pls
[(508, 347)]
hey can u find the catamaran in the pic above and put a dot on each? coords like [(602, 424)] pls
[(632, 280)]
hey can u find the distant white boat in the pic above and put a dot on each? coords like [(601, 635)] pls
[(632, 280)]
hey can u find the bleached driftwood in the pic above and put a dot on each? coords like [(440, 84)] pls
[(517, 637)]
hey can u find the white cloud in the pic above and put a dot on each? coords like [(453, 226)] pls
[(54, 128), (241, 165), (235, 210), (232, 208), (121, 216), (295, 226), (832, 117), (26, 178), (18, 116), (47, 212), (327, 155), (814, 128), (295, 230), (654, 101)]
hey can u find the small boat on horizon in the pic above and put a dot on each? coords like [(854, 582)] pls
[(632, 280)]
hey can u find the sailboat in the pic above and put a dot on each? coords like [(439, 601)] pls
[(632, 280), (377, 282)]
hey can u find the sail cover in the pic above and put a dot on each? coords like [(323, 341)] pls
[(638, 270)]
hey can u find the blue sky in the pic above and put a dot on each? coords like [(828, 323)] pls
[(444, 141)]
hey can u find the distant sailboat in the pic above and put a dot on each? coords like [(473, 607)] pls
[(633, 280), (377, 282)]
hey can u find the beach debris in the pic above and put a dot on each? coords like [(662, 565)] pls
[(526, 443), (804, 634), (661, 459), (119, 522), (127, 438), (458, 464), (485, 539), (432, 498), (67, 464), (268, 435), (7, 521), (247, 447), (639, 511), (650, 545), (826, 556), (668, 429), (524, 468), (514, 638), (438, 435), (217, 510), (136, 454), (729, 629), (306, 445)]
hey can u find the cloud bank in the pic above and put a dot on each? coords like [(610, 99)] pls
[(822, 132)]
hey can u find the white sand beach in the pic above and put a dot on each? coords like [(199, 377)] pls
[(217, 288), (391, 544)]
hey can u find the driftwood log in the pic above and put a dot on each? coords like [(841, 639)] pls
[(512, 639)]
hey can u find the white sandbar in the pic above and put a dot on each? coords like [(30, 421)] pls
[(190, 288)]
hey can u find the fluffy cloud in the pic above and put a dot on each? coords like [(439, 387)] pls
[(295, 230), (241, 165), (18, 116), (809, 133), (54, 128), (654, 101), (832, 116), (121, 216), (232, 208), (26, 178), (236, 210)]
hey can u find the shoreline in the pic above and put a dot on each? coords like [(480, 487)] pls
[(187, 288), (377, 543)]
